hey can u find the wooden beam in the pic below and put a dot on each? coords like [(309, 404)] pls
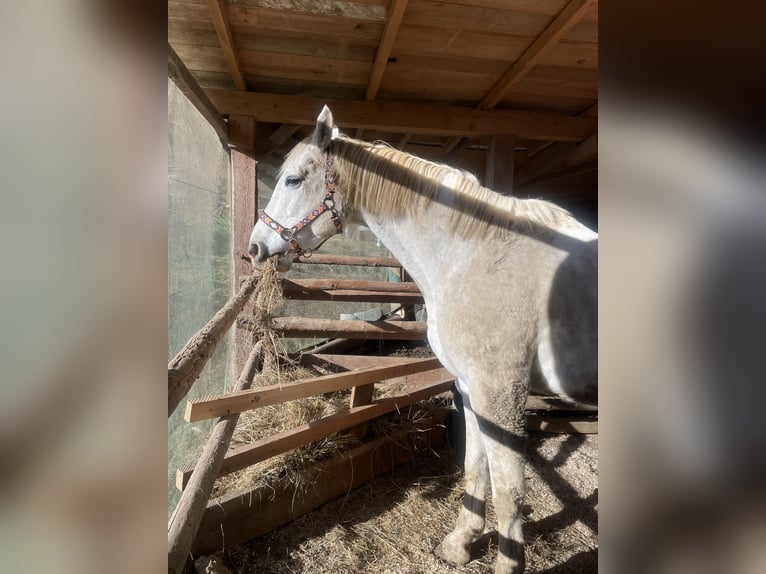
[(325, 259), (250, 454), (328, 328), (244, 213), (404, 117), (557, 157), (500, 161), (207, 408), (223, 31), (241, 516), (403, 141), (184, 80), (393, 22), (186, 518), (186, 366), (560, 25)]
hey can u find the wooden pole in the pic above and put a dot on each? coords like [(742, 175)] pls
[(187, 365), (187, 516)]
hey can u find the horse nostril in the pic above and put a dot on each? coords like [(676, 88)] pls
[(257, 252)]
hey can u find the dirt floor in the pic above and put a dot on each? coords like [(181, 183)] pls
[(392, 524)]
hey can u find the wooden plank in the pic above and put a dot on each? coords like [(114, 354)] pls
[(244, 210), (209, 407), (186, 366), (241, 516), (324, 259), (558, 424), (183, 78), (227, 43), (355, 296), (467, 18), (350, 285), (247, 455), (540, 403), (395, 14), (350, 362), (187, 516), (305, 67), (328, 328), (561, 24), (401, 117), (337, 26)]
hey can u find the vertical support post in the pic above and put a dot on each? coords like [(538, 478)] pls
[(361, 395), (244, 209), (500, 163)]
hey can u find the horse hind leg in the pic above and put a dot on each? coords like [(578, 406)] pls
[(456, 546)]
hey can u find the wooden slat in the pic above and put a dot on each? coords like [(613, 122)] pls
[(355, 296), (562, 23), (351, 290), (350, 285), (206, 408), (349, 362), (404, 117), (338, 26), (328, 328), (384, 49), (183, 78), (247, 455), (227, 43), (323, 259)]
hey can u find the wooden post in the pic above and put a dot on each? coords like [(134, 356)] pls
[(186, 366), (244, 209), (500, 161), (187, 516)]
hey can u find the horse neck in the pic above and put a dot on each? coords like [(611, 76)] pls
[(423, 245)]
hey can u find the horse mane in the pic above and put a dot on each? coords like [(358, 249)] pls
[(388, 182)]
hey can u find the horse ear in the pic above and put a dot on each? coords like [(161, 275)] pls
[(324, 128)]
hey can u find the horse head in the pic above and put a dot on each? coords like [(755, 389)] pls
[(304, 210)]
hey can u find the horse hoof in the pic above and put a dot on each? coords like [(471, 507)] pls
[(453, 551)]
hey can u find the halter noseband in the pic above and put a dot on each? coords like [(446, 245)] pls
[(328, 204)]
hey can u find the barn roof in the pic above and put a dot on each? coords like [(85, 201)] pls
[(439, 78)]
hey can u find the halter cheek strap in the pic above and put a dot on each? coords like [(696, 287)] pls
[(328, 204)]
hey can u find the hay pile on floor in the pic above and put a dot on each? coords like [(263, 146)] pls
[(392, 524)]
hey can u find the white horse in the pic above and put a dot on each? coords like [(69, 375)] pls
[(509, 284)]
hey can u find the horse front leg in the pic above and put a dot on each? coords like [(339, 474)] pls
[(456, 546), (504, 441)]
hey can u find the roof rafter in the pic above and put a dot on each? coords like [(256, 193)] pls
[(384, 48), (223, 31), (560, 25)]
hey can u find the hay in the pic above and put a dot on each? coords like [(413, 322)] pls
[(392, 524)]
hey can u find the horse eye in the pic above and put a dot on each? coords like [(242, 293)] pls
[(293, 180)]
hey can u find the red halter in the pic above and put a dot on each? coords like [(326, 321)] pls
[(328, 204)]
